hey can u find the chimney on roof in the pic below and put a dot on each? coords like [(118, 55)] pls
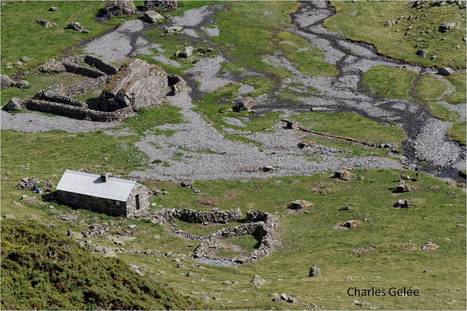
[(104, 177)]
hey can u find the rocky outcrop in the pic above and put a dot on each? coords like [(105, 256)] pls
[(138, 84), (161, 4), (117, 8)]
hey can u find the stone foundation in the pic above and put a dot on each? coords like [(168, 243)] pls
[(261, 225)]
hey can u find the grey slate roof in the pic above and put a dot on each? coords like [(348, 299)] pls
[(90, 184)]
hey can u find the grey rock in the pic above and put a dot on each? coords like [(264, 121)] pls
[(314, 271), (173, 29), (53, 9), (15, 104), (45, 23), (445, 71), (138, 84), (6, 81), (117, 8), (75, 26), (186, 53), (244, 104), (257, 281), (52, 65), (152, 17), (421, 53), (446, 26), (401, 203), (24, 59), (23, 84)]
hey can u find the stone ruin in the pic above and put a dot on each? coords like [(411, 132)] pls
[(263, 226), (125, 90), (160, 4), (117, 8)]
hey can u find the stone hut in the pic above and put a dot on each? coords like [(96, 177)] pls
[(102, 193)]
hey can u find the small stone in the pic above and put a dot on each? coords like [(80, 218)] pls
[(244, 104), (445, 71), (173, 29), (421, 53), (23, 84), (267, 168), (152, 17), (344, 209), (314, 271), (53, 9), (349, 224), (135, 268), (45, 23), (257, 281), (24, 59), (401, 203), (15, 104), (401, 187), (300, 204), (446, 26), (74, 26), (343, 174), (6, 81), (276, 297), (429, 246), (186, 53)]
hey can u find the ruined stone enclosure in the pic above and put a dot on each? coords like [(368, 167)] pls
[(262, 226), (123, 89)]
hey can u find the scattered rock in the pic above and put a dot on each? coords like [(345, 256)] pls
[(300, 204), (349, 224), (15, 104), (401, 203), (290, 125), (267, 168), (244, 104), (363, 250), (52, 65), (76, 27), (445, 71), (421, 53), (276, 297), (344, 209), (186, 53), (401, 187), (343, 174), (6, 81), (152, 17), (23, 84), (314, 271), (446, 26), (257, 281), (287, 298), (429, 246), (45, 23), (173, 29), (135, 268), (117, 8)]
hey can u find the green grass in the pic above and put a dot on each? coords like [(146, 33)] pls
[(48, 154), (308, 60), (458, 132), (388, 82), (364, 21), (397, 235), (250, 33), (43, 269), (429, 88), (459, 81), (24, 37), (352, 125), (149, 118), (262, 85)]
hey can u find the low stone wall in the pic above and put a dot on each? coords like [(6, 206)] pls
[(261, 225), (81, 70), (78, 112), (46, 95), (100, 64)]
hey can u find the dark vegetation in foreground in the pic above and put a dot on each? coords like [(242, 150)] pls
[(41, 269)]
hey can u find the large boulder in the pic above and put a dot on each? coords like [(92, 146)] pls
[(152, 17), (117, 8), (137, 84)]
